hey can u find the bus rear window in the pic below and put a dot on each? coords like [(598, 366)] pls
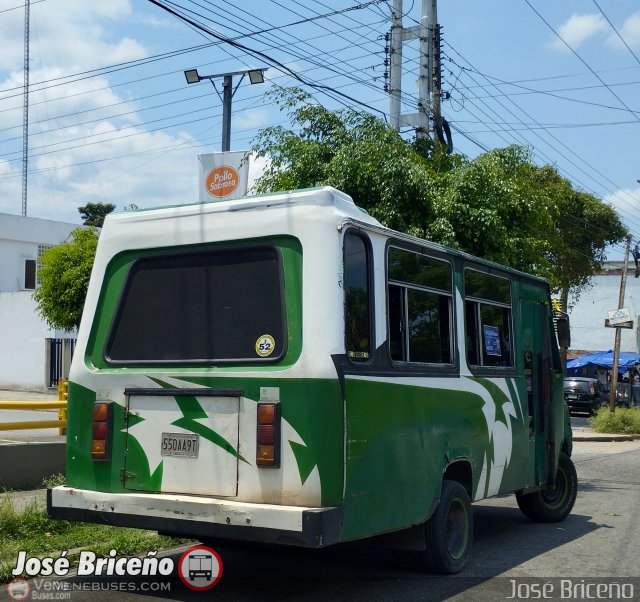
[(222, 305)]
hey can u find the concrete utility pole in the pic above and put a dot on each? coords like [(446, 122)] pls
[(436, 70), (395, 65), (399, 35), (616, 345)]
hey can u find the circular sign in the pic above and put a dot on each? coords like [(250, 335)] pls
[(222, 181), (19, 589), (265, 345), (200, 568)]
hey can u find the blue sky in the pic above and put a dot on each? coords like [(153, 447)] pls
[(113, 120)]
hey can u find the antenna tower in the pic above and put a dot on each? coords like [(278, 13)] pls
[(25, 118)]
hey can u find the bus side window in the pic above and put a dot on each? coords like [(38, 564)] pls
[(488, 319), (397, 326), (357, 305), (420, 314)]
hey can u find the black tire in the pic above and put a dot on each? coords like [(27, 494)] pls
[(449, 532), (553, 504)]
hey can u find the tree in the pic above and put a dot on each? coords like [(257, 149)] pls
[(494, 208), (585, 229), (64, 278), (93, 214), (358, 154)]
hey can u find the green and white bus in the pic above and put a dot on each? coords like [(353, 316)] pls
[(283, 368)]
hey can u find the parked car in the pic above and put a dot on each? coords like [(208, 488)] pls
[(584, 394)]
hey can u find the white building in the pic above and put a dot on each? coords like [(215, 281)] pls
[(587, 316), (28, 357)]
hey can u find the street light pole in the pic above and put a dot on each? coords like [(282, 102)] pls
[(227, 95), (256, 76)]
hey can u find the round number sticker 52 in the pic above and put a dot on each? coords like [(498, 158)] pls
[(265, 345)]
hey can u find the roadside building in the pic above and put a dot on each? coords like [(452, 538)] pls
[(588, 314), (32, 355)]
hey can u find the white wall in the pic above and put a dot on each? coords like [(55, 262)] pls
[(23, 334), (19, 240), (587, 316), (23, 350)]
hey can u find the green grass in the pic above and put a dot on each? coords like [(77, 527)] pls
[(623, 420), (31, 530)]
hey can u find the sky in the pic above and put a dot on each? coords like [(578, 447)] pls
[(112, 119)]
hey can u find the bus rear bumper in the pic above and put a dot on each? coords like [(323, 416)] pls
[(199, 517)]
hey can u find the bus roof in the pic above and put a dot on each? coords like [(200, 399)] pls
[(348, 214)]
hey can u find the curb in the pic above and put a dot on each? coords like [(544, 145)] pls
[(24, 465), (604, 437)]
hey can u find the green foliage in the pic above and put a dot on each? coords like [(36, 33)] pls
[(64, 277), (490, 207), (93, 214), (54, 480), (584, 228), (623, 420), (30, 529), (354, 152)]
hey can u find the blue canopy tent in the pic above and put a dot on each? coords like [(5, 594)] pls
[(603, 359)]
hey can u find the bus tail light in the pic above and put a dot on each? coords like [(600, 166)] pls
[(268, 435), (100, 429)]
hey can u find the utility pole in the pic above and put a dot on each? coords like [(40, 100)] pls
[(436, 71), (395, 65), (227, 95), (399, 35), (616, 346), (25, 114)]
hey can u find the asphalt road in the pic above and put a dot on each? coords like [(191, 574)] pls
[(598, 541)]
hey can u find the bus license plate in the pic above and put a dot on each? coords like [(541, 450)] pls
[(181, 445)]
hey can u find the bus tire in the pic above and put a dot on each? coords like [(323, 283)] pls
[(552, 505), (449, 532)]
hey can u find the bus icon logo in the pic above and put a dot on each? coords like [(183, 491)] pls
[(200, 565), (200, 568), (19, 589)]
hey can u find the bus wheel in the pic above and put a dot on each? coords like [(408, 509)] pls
[(553, 504), (449, 532)]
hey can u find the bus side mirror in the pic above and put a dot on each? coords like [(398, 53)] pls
[(563, 330)]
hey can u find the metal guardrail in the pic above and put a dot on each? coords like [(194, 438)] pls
[(60, 405)]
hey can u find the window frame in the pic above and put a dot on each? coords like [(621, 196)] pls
[(478, 335), (405, 287), (359, 233), (30, 274), (208, 362)]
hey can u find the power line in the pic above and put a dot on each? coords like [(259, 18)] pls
[(624, 104), (258, 54), (633, 54)]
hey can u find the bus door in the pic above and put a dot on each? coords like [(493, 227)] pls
[(538, 371)]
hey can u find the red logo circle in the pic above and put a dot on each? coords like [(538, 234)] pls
[(200, 568), (222, 181), (19, 589)]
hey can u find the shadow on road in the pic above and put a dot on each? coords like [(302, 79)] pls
[(504, 539)]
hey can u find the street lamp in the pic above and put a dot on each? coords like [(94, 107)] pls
[(256, 76)]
